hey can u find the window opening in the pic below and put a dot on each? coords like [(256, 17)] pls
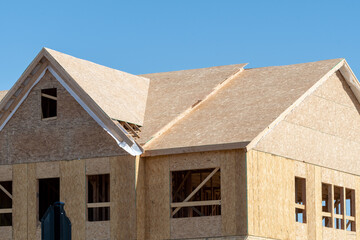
[(49, 103), (6, 203), (98, 188), (326, 205), (338, 207), (196, 193), (350, 209), (300, 200), (49, 193)]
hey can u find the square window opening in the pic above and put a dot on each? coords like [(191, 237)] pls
[(49, 103), (196, 193)]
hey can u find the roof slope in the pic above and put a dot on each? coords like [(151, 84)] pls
[(171, 93), (245, 106), (122, 96)]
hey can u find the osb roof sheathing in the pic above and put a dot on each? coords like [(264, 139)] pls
[(122, 96), (244, 107), (171, 93)]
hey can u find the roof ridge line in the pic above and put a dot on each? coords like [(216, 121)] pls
[(289, 110), (192, 107)]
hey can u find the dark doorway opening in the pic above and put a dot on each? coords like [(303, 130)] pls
[(49, 192)]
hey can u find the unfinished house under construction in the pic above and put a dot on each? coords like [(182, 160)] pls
[(214, 153)]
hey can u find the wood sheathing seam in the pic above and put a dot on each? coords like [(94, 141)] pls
[(192, 108), (282, 116)]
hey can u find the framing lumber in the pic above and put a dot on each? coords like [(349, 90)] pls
[(195, 203), (5, 210), (197, 189), (49, 96), (6, 192), (98, 205)]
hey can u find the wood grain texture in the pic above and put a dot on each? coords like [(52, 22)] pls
[(20, 197), (6, 233), (47, 170), (323, 130), (157, 198), (98, 230), (6, 173), (72, 193), (32, 202), (140, 198), (123, 198), (271, 196)]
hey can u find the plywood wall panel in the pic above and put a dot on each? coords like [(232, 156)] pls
[(123, 198), (197, 227), (241, 192), (96, 166), (6, 233), (20, 191), (157, 198), (228, 193), (47, 170), (271, 196), (98, 230), (6, 173), (313, 200), (73, 193), (32, 202), (140, 198)]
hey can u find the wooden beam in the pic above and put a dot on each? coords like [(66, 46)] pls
[(98, 205), (195, 203), (5, 210), (49, 96), (351, 218), (197, 189), (6, 192), (326, 214), (299, 206), (339, 216)]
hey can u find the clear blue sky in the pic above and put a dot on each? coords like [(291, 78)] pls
[(155, 36)]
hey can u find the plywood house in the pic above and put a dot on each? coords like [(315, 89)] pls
[(216, 153)]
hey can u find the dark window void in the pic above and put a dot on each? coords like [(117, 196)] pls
[(300, 200), (5, 203), (196, 193), (338, 207), (49, 103), (49, 193), (350, 209), (99, 197), (326, 205)]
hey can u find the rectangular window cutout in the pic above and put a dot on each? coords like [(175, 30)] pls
[(6, 203), (49, 103), (49, 193), (300, 200), (196, 193), (350, 209), (338, 207), (98, 188), (326, 205)]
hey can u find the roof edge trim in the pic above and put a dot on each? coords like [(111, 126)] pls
[(284, 114), (193, 149)]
